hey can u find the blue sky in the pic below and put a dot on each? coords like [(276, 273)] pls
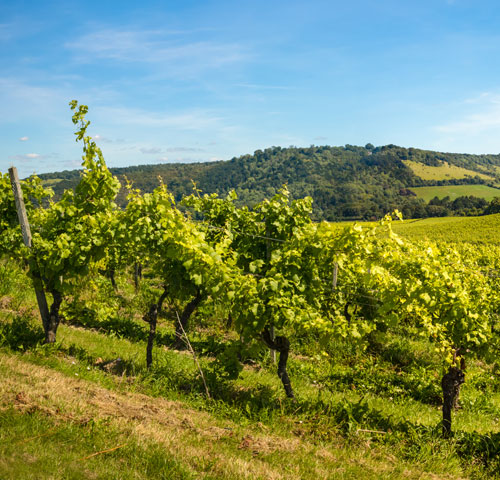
[(205, 80)]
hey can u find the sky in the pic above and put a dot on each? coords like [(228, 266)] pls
[(190, 81)]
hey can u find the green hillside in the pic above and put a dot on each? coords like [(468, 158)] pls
[(349, 182)]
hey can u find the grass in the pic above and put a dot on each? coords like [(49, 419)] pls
[(192, 442), (482, 229), (51, 181), (459, 230), (445, 171), (35, 445), (358, 414), (455, 191)]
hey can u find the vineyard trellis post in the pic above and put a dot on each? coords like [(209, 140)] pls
[(335, 275), (26, 231)]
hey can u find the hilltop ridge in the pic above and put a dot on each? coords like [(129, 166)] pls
[(347, 182)]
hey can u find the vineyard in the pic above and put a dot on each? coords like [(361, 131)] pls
[(456, 230), (204, 339)]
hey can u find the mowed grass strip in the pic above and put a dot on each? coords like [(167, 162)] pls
[(38, 446), (455, 191), (52, 424)]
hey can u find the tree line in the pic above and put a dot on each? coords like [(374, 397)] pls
[(349, 182)]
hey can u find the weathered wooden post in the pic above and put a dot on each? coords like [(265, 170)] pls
[(25, 228), (335, 276)]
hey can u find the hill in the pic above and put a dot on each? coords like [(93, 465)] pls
[(349, 182)]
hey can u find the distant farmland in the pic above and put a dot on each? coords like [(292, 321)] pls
[(452, 229), (454, 191), (445, 171)]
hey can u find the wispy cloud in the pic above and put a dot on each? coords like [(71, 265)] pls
[(486, 117), (154, 47), (24, 139), (483, 98), (27, 157), (150, 151), (184, 149), (255, 86), (191, 120), (8, 31), (157, 150), (100, 138), (30, 100)]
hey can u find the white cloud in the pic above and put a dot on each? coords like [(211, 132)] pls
[(23, 100), (162, 159), (485, 117), (26, 157), (154, 47), (24, 139), (150, 151), (184, 149), (254, 86), (157, 150), (100, 138), (192, 120)]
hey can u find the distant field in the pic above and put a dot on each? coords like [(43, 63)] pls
[(454, 191), (51, 181), (485, 229), (445, 171)]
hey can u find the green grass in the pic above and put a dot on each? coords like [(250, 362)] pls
[(358, 414), (455, 191), (51, 181), (445, 171), (484, 229), (36, 446)]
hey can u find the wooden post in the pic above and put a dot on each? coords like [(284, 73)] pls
[(335, 275), (25, 228)]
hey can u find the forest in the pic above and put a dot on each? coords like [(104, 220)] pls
[(345, 183)]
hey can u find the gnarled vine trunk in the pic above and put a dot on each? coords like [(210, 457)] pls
[(111, 276), (137, 275), (50, 325), (450, 384), (282, 346), (183, 322), (152, 318)]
